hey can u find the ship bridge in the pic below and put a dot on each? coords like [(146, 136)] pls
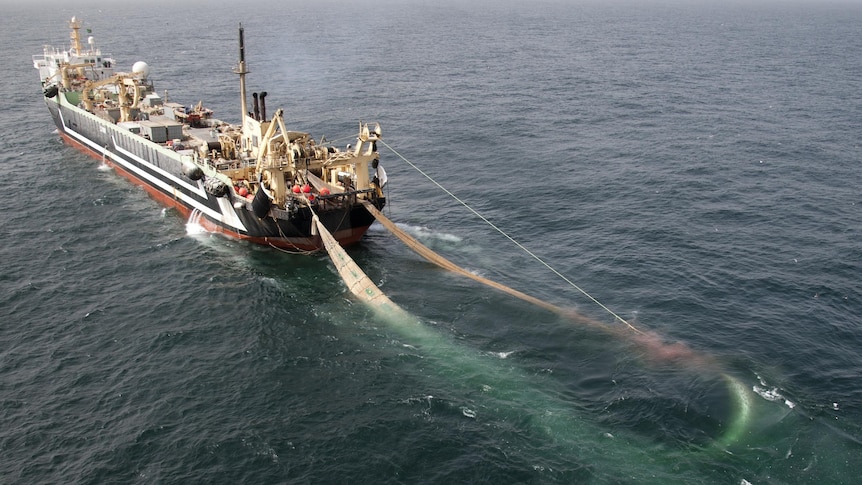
[(89, 63)]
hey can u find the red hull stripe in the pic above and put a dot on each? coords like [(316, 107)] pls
[(345, 238)]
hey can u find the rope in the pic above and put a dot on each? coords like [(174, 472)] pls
[(295, 249), (736, 427), (518, 244)]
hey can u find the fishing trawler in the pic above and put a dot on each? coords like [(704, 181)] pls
[(255, 181)]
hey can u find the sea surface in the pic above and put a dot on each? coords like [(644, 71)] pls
[(694, 167)]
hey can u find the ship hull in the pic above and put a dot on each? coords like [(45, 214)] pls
[(159, 171)]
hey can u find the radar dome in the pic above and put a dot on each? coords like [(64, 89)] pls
[(141, 68)]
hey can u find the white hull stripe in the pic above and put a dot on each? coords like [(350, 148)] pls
[(227, 216)]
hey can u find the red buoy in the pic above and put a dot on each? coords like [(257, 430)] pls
[(243, 191), (306, 189), (324, 191), (296, 189)]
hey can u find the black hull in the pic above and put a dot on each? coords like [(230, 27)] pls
[(159, 170)]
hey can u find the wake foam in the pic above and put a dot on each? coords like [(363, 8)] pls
[(420, 232), (771, 393), (193, 225)]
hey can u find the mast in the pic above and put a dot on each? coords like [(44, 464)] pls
[(242, 71), (75, 25)]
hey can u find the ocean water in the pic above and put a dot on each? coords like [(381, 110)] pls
[(693, 166)]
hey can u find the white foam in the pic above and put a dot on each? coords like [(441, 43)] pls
[(193, 225), (193, 229), (771, 393), (425, 233)]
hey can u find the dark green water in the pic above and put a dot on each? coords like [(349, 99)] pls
[(694, 167)]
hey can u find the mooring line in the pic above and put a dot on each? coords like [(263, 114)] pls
[(514, 241)]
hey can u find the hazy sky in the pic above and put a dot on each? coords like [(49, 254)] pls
[(286, 3)]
